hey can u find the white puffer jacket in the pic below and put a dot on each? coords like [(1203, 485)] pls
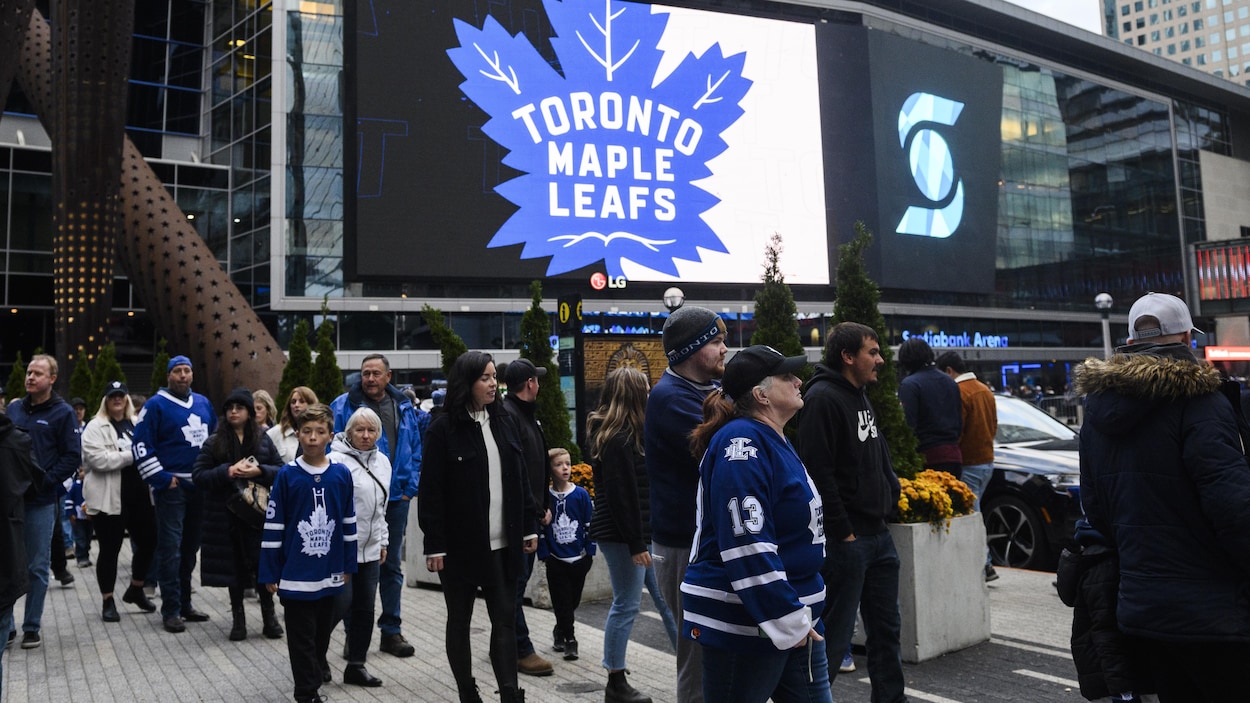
[(371, 530), (104, 455)]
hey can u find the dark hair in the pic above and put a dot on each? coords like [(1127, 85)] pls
[(915, 354), (622, 410), (223, 437), (464, 372), (953, 361), (375, 356), (847, 337), (718, 410)]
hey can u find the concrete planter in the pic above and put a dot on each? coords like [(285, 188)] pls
[(598, 587), (943, 599)]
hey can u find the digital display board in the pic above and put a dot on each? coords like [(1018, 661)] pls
[(520, 139)]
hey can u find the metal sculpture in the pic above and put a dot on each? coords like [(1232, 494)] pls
[(190, 298)]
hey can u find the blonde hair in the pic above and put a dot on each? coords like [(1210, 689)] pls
[(271, 412), (555, 452), (622, 410)]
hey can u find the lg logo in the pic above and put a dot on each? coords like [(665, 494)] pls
[(931, 165)]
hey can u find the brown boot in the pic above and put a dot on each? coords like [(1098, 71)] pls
[(534, 665)]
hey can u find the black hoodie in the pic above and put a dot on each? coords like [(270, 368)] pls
[(846, 456)]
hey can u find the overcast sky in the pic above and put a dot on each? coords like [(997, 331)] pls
[(1086, 14)]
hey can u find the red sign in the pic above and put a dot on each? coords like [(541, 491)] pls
[(1228, 353), (598, 281)]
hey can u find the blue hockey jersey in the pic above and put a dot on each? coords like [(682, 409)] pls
[(565, 536), (754, 580), (310, 531), (169, 433)]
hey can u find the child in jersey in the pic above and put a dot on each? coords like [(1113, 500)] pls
[(566, 548), (308, 550)]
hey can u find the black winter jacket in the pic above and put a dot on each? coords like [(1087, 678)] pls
[(19, 474), (453, 506), (1164, 477), (622, 496), (933, 408), (1100, 651), (222, 529), (846, 456), (533, 448)]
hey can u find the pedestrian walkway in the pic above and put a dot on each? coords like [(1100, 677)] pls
[(85, 660)]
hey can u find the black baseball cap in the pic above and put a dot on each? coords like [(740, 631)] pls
[(522, 370), (114, 388), (754, 364)]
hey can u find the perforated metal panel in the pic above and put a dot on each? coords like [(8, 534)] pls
[(191, 300)]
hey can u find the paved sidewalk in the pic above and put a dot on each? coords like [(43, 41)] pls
[(83, 659)]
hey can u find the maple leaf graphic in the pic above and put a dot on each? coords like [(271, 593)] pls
[(610, 151), (195, 431), (315, 532)]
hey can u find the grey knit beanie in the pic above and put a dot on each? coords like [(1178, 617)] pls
[(688, 330)]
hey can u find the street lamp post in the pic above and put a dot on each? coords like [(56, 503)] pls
[(674, 299), (1104, 301)]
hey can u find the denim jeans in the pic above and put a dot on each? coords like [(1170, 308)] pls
[(391, 572), (793, 676), (863, 575), (40, 520), (524, 647), (179, 525), (82, 539), (6, 625), (977, 476), (358, 598), (626, 578)]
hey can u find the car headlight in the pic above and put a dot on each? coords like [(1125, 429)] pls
[(1064, 481)]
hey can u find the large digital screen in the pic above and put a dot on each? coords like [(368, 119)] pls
[(519, 139)]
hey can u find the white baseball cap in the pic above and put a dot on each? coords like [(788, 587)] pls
[(1169, 310)]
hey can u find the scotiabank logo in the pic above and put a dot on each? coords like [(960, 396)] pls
[(932, 166), (600, 280)]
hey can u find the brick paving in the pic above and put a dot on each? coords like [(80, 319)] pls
[(86, 660)]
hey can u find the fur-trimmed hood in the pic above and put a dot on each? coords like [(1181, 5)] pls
[(1137, 379)]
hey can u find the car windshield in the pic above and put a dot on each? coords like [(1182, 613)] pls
[(1021, 421)]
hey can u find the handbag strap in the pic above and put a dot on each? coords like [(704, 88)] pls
[(363, 465)]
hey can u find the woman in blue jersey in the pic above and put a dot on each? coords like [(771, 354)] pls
[(753, 591)]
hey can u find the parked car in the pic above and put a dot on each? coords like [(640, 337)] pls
[(1034, 497)]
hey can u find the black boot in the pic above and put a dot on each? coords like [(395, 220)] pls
[(238, 631), (135, 596), (271, 629), (619, 690), (109, 612), (557, 640), (570, 650), (470, 693), (511, 695)]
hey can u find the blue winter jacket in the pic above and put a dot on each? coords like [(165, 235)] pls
[(406, 458), (53, 431), (1163, 476)]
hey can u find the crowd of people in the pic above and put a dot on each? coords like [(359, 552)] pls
[(759, 546)]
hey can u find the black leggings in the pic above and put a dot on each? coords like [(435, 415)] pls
[(139, 520), (500, 596)]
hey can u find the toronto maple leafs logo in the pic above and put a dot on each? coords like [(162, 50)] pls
[(740, 449), (195, 431), (318, 529), (611, 150)]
